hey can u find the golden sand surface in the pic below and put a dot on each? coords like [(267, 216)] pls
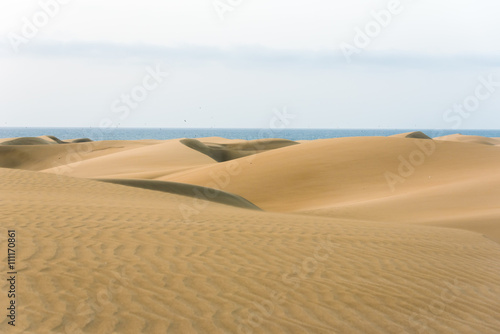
[(395, 234)]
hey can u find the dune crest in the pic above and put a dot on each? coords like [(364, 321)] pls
[(414, 134)]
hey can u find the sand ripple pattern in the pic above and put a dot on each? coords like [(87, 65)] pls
[(104, 258)]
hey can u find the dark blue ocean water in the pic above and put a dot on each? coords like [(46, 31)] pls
[(171, 133)]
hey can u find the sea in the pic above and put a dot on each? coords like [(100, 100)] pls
[(247, 134)]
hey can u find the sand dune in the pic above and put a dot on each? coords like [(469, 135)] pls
[(105, 258), (471, 204), (414, 134), (392, 234), (470, 139), (333, 171), (28, 141), (62, 158), (143, 160), (221, 152), (385, 179), (42, 140)]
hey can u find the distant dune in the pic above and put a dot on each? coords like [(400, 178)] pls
[(28, 141), (221, 152), (395, 234), (470, 139), (415, 135), (42, 140)]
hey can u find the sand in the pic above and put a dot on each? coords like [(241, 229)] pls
[(392, 234)]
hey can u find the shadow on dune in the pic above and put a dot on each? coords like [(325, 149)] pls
[(226, 152), (414, 135), (189, 190)]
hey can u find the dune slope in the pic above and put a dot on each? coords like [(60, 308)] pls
[(97, 257), (328, 172), (142, 160), (399, 179)]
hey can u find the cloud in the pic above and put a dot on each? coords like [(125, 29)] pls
[(248, 56)]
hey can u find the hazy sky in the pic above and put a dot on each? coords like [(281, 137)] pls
[(230, 63)]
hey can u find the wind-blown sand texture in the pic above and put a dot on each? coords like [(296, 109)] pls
[(395, 234)]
